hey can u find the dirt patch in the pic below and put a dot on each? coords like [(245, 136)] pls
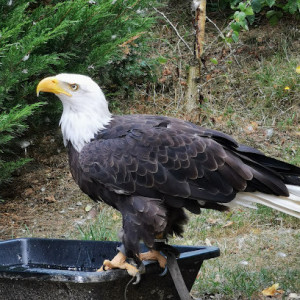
[(43, 200)]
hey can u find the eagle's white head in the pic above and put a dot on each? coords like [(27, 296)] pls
[(85, 109)]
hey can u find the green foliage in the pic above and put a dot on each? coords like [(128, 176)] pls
[(246, 11), (94, 39), (11, 125), (103, 39)]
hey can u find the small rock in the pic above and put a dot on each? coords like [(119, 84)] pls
[(244, 263), (249, 128), (281, 254), (294, 296), (79, 203), (269, 132), (207, 242)]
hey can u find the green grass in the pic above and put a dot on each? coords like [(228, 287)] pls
[(268, 241), (236, 282), (104, 228), (294, 153)]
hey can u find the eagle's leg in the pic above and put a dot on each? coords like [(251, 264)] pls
[(154, 255), (119, 262)]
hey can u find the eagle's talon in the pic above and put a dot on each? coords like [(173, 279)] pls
[(142, 268), (119, 262), (138, 278), (164, 272), (154, 255), (102, 269)]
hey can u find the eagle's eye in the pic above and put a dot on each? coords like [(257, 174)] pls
[(74, 86)]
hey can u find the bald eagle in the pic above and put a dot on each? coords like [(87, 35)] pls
[(150, 168)]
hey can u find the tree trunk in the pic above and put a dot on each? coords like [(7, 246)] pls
[(192, 98), (192, 93), (200, 28)]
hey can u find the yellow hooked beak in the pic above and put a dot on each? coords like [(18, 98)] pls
[(51, 85)]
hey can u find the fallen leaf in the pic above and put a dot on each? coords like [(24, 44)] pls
[(298, 69), (88, 207), (256, 230), (272, 290), (228, 224), (219, 119), (126, 49), (162, 80), (115, 216), (208, 77), (212, 221), (251, 127), (28, 192), (50, 199), (167, 72), (254, 125)]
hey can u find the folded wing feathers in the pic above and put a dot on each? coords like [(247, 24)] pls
[(179, 159)]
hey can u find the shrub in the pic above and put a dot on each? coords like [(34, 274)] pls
[(97, 38), (12, 125), (247, 11)]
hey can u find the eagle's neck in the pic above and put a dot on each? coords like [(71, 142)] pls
[(81, 121)]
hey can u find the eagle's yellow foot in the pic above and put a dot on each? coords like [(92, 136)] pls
[(119, 262), (154, 255)]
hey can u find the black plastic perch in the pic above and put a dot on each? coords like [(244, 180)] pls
[(32, 268)]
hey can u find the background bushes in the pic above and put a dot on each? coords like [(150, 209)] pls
[(103, 39)]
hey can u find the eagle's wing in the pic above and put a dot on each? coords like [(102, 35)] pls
[(176, 159)]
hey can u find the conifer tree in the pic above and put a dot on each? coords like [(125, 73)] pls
[(104, 39)]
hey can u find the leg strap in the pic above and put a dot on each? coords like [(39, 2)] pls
[(177, 277)]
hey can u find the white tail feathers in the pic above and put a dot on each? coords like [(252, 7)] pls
[(289, 205)]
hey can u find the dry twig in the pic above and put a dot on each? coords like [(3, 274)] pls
[(175, 29)]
